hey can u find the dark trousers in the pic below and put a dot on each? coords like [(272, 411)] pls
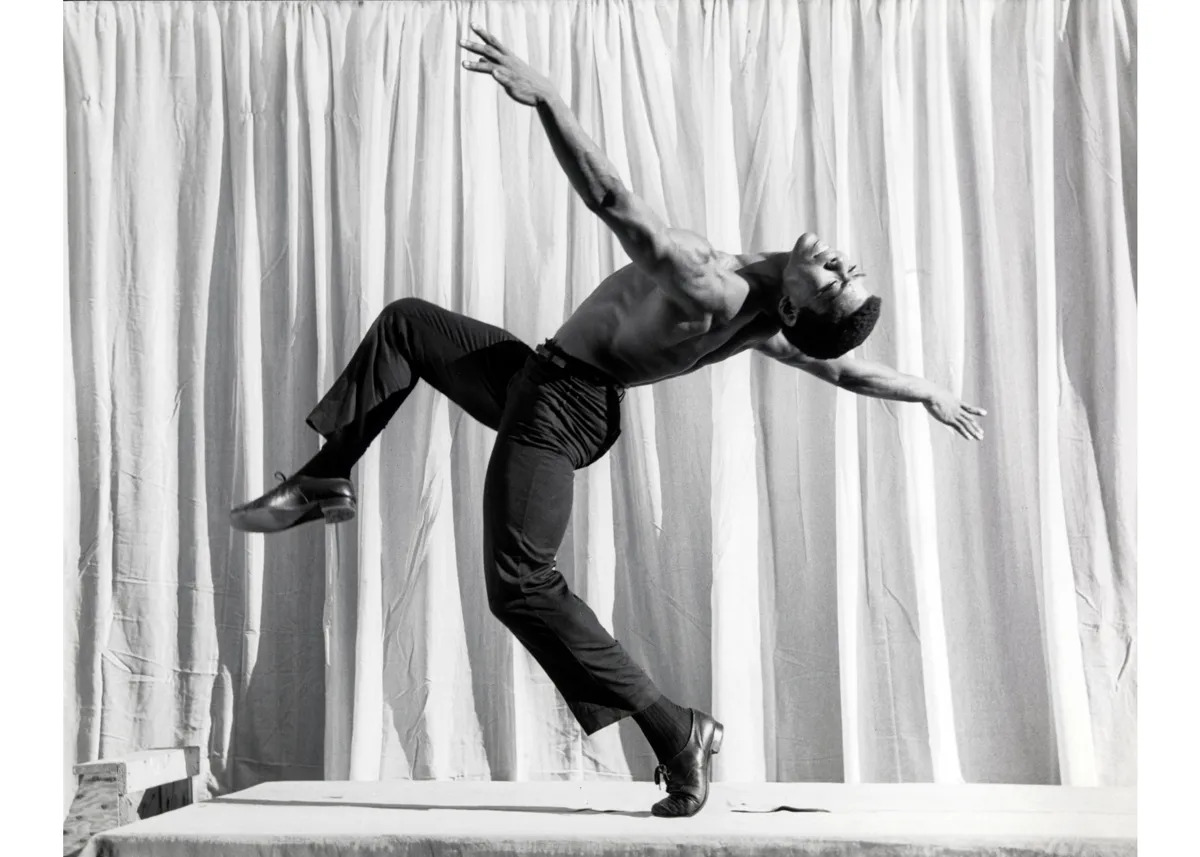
[(550, 421)]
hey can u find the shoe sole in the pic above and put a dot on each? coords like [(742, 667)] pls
[(334, 510), (337, 510)]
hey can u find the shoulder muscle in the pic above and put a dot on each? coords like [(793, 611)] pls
[(695, 246)]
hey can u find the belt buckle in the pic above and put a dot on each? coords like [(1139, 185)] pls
[(552, 357)]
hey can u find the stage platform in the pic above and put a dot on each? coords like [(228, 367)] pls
[(601, 818)]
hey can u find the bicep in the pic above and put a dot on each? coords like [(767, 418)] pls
[(663, 253), (778, 348)]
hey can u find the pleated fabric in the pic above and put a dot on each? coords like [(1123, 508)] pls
[(857, 593)]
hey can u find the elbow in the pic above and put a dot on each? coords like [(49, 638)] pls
[(605, 196)]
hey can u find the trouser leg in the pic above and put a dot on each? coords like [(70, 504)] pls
[(527, 505), (469, 361)]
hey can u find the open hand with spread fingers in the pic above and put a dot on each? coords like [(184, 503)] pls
[(947, 408), (520, 81)]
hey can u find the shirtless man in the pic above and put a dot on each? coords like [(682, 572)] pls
[(681, 305)]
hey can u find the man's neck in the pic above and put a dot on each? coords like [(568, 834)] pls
[(764, 274)]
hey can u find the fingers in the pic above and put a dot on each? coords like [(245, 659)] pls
[(971, 409), (488, 37), (972, 428), (958, 427), (479, 65), (483, 50)]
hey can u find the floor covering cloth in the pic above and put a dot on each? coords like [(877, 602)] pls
[(606, 818)]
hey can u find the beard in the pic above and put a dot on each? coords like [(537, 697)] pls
[(794, 333), (812, 334)]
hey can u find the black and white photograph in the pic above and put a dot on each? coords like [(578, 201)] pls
[(613, 427)]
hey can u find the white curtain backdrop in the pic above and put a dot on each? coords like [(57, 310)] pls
[(856, 592)]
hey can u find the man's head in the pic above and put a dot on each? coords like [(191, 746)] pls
[(824, 309)]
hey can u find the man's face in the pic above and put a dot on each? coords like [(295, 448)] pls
[(821, 279)]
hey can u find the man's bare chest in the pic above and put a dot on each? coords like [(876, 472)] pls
[(686, 337)]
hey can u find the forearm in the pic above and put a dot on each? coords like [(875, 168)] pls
[(884, 382), (590, 172)]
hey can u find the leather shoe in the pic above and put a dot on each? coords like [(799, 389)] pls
[(294, 501), (687, 774)]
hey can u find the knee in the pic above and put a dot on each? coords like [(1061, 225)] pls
[(503, 600), (506, 596), (510, 611), (518, 597), (396, 320), (403, 308)]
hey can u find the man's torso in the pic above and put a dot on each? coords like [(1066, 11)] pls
[(639, 332)]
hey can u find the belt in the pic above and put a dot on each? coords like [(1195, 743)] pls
[(583, 370)]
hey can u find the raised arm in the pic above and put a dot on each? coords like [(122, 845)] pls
[(650, 244), (882, 382)]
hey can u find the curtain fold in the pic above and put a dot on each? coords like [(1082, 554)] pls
[(858, 593)]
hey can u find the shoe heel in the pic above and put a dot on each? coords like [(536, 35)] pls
[(337, 509), (718, 735)]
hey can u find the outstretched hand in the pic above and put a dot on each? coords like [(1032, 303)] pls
[(520, 81), (949, 410)]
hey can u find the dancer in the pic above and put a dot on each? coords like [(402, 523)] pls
[(680, 305)]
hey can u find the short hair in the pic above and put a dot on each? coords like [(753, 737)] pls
[(825, 338)]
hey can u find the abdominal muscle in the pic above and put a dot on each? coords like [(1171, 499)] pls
[(633, 330)]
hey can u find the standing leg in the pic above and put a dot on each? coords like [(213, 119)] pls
[(527, 505), (550, 428)]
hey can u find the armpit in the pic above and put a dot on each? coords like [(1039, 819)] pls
[(778, 348)]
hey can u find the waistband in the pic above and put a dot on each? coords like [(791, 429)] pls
[(551, 353)]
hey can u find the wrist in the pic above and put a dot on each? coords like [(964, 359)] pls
[(929, 393), (549, 98)]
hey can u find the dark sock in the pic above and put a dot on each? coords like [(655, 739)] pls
[(345, 446), (667, 727), (333, 460)]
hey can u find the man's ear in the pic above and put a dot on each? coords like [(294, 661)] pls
[(788, 311)]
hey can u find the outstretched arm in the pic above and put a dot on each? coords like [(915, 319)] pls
[(645, 237), (883, 382)]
